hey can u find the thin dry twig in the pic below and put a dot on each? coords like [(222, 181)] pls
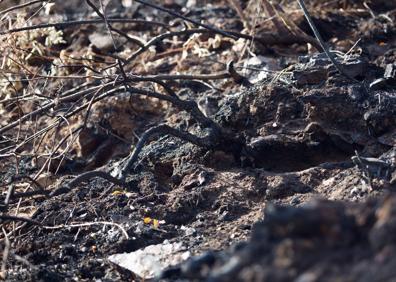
[(6, 251), (286, 26), (237, 7), (23, 5), (264, 38), (177, 15), (273, 15), (62, 99), (81, 22), (329, 54), (75, 224), (85, 177), (110, 28), (72, 225), (6, 217)]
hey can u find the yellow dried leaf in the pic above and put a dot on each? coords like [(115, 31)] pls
[(155, 223), (147, 220), (117, 192)]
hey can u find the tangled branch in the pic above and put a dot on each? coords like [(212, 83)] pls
[(123, 81)]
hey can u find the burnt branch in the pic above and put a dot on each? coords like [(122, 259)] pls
[(6, 217), (81, 22), (20, 6), (205, 142), (326, 49), (84, 178), (177, 15), (265, 39), (109, 27), (188, 106)]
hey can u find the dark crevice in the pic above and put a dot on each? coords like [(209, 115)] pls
[(280, 156)]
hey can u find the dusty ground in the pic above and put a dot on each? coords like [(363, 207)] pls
[(298, 196)]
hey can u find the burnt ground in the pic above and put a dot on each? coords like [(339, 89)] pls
[(302, 192)]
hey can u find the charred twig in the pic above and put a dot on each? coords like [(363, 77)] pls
[(89, 107), (239, 79), (266, 39), (161, 37), (27, 177), (220, 75), (171, 77), (329, 54), (11, 194), (237, 7), (6, 217), (121, 67), (205, 142), (213, 29), (85, 177), (35, 222), (22, 195), (21, 6), (10, 191), (154, 79), (189, 106), (81, 22), (110, 27), (51, 156), (6, 252), (107, 24), (285, 26), (70, 98), (273, 15), (59, 121)]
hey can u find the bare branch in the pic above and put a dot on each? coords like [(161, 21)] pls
[(205, 142), (213, 29), (321, 41), (82, 22)]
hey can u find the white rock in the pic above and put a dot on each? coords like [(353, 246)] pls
[(148, 262)]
